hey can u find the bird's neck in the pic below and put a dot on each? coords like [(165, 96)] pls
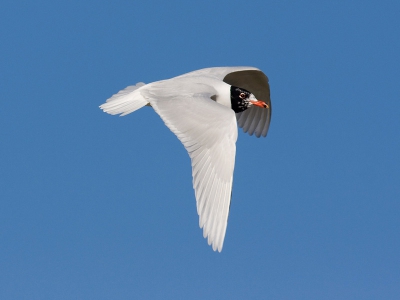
[(223, 94)]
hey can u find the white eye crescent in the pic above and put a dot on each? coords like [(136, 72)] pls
[(242, 95)]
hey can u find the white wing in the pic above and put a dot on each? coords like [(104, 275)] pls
[(255, 120), (208, 131)]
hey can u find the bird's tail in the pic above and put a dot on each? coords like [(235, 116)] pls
[(125, 101)]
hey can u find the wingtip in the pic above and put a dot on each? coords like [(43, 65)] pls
[(214, 243), (217, 247)]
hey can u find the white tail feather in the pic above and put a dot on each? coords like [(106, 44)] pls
[(126, 101)]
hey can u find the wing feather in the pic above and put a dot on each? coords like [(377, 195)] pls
[(249, 120), (255, 121), (208, 131)]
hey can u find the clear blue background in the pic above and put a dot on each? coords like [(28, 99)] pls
[(94, 206)]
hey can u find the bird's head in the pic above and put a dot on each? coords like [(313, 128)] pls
[(242, 99)]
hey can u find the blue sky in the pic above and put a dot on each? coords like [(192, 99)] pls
[(100, 207)]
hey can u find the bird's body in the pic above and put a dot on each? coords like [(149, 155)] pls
[(202, 108)]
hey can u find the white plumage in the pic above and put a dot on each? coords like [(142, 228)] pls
[(196, 107)]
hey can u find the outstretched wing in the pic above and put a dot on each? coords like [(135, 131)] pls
[(254, 120), (208, 131)]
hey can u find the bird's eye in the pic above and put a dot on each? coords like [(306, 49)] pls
[(242, 95)]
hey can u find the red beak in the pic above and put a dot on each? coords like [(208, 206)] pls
[(259, 103)]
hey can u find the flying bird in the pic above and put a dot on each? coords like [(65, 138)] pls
[(202, 109)]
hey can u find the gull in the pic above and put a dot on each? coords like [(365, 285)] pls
[(203, 109)]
